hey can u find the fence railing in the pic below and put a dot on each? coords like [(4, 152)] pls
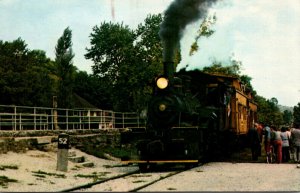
[(41, 118)]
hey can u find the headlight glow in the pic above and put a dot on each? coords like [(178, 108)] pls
[(162, 107), (162, 83)]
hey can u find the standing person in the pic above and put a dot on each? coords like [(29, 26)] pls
[(291, 144), (267, 142), (295, 139), (254, 140), (277, 143), (285, 144), (259, 128)]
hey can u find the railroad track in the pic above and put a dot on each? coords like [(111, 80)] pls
[(88, 186), (154, 181)]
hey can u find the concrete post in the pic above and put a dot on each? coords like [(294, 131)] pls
[(63, 152)]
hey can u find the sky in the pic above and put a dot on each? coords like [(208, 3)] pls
[(263, 34)]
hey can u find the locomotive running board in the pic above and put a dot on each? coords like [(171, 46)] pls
[(160, 161)]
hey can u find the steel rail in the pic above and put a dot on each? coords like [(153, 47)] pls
[(89, 185), (161, 178), (154, 181)]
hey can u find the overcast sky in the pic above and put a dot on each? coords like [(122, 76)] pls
[(263, 34)]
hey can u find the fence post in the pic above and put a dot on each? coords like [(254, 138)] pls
[(89, 117), (123, 120), (15, 118), (20, 122), (34, 118), (55, 112), (138, 119), (80, 117), (67, 119)]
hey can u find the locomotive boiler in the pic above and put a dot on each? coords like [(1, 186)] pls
[(188, 119)]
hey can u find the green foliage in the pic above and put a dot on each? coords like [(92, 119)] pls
[(13, 167), (25, 75), (246, 80), (65, 69), (296, 114), (95, 176), (268, 111), (287, 117), (113, 151), (43, 174), (94, 89), (231, 69), (4, 180), (217, 67), (127, 60), (204, 31)]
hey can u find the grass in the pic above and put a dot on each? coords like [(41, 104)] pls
[(4, 180), (95, 176), (117, 152), (43, 174), (12, 167), (138, 181), (140, 175)]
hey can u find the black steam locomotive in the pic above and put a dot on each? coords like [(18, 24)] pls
[(188, 119)]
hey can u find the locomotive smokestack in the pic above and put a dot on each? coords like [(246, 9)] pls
[(169, 69), (177, 16)]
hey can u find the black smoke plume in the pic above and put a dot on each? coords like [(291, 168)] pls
[(178, 15)]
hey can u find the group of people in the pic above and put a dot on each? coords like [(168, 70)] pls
[(283, 143)]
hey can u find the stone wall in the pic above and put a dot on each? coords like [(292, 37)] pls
[(21, 141)]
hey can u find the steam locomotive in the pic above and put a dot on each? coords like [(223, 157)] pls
[(192, 117)]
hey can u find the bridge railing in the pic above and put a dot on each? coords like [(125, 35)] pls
[(41, 118)]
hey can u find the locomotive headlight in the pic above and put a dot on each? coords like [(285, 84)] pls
[(162, 83), (162, 107)]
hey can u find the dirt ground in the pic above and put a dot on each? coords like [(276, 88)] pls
[(35, 171)]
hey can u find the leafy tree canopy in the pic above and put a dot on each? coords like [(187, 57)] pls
[(127, 59), (296, 114), (205, 30), (65, 69), (217, 67), (24, 75), (287, 117)]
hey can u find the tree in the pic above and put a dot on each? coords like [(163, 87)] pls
[(127, 59), (287, 117), (24, 75), (268, 111), (217, 67), (246, 80), (204, 31), (90, 87), (65, 69), (149, 63), (296, 114), (112, 51)]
